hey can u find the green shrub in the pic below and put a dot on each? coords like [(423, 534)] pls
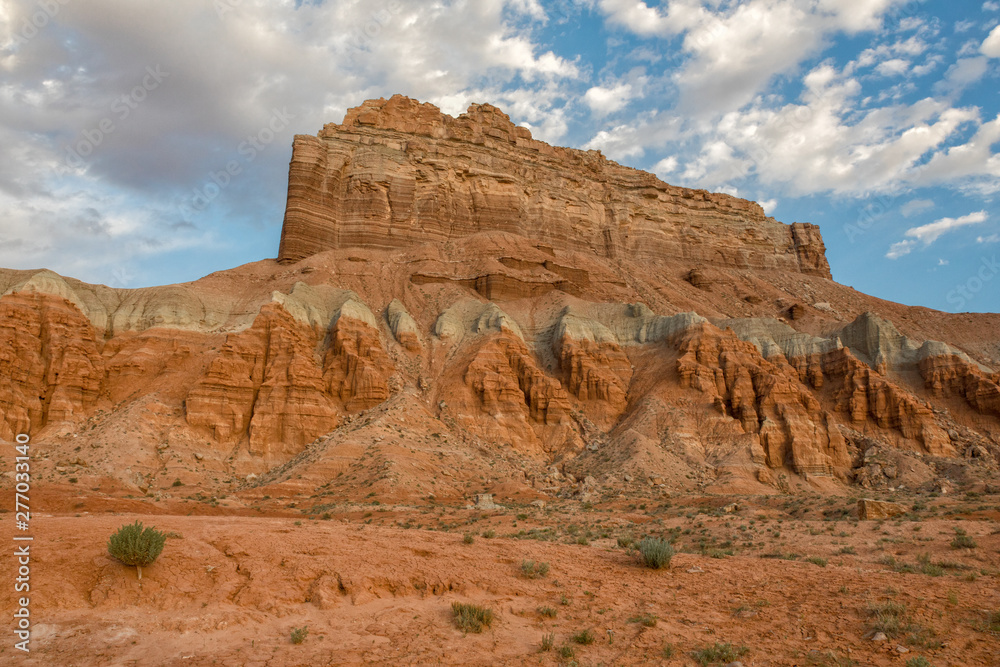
[(134, 545), (888, 617), (655, 552), (919, 661), (547, 612), (566, 652), (471, 617), (584, 637), (963, 541), (469, 538), (299, 634), (719, 653), (816, 560), (548, 641), (533, 570)]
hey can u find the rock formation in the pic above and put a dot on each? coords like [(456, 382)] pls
[(548, 309), (398, 173)]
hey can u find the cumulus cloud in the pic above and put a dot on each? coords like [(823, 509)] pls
[(603, 101), (929, 233), (991, 45), (78, 83)]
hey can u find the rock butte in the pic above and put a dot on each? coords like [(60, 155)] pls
[(454, 300)]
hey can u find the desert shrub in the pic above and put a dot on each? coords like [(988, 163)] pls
[(719, 653), (134, 545), (816, 560), (533, 570), (469, 538), (584, 637), (299, 634), (471, 617), (655, 552), (648, 620), (548, 641), (887, 617), (547, 612), (918, 661), (963, 541)]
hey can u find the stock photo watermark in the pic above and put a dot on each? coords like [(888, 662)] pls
[(123, 106), (22, 542), (965, 292), (220, 179), (38, 20), (361, 36)]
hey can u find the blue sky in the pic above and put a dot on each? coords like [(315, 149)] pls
[(879, 120)]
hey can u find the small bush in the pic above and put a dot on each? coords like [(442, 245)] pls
[(177, 482), (470, 617), (584, 637), (533, 570), (548, 641), (468, 538), (655, 552), (963, 541), (299, 634), (719, 653), (547, 612), (887, 617), (134, 545), (992, 623), (648, 620), (624, 541), (919, 661), (566, 652), (489, 534), (816, 560)]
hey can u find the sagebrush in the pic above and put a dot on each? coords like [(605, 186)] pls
[(132, 544)]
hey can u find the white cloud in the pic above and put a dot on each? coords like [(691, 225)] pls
[(943, 262), (991, 45), (991, 6), (768, 205), (894, 67), (603, 101), (961, 75), (929, 233), (667, 165), (915, 206), (735, 49), (992, 238)]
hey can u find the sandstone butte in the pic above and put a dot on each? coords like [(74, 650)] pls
[(454, 300)]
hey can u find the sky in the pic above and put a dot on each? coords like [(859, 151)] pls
[(878, 120)]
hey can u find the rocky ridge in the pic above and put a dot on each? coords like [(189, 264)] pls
[(715, 352)]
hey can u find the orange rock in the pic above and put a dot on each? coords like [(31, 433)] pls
[(398, 173), (50, 363)]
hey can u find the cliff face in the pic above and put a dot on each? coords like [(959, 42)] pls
[(542, 310), (398, 173)]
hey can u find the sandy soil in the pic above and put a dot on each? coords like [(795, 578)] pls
[(789, 578)]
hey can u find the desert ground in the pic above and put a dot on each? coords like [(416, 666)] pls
[(783, 579)]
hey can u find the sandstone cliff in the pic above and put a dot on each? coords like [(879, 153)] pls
[(398, 173), (548, 315)]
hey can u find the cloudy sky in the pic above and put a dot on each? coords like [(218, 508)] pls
[(879, 120)]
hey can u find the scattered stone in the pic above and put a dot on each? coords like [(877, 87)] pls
[(879, 637), (484, 501), (540, 504), (695, 570), (730, 508), (869, 509), (628, 478), (902, 649)]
